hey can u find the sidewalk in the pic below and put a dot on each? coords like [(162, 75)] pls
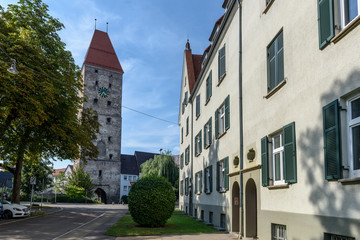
[(213, 236)]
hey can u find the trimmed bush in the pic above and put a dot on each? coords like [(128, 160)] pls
[(151, 201)]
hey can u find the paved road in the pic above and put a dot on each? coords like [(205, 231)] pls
[(73, 221)]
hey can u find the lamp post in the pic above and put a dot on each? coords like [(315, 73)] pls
[(160, 162)]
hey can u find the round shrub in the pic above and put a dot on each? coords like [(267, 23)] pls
[(151, 201)]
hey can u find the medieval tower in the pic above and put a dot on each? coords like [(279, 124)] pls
[(102, 74)]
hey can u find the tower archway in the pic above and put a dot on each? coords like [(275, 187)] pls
[(101, 195), (235, 207), (251, 208)]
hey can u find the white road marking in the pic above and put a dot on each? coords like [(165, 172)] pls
[(79, 226)]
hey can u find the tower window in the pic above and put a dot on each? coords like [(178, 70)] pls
[(109, 103), (110, 76), (100, 173), (110, 156), (95, 101), (109, 85), (108, 120), (109, 139), (96, 71)]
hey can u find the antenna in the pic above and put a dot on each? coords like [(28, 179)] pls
[(95, 23), (107, 24)]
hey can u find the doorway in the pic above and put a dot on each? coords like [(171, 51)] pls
[(251, 208), (101, 195), (236, 207)]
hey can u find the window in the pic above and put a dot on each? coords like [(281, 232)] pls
[(221, 62), (207, 134), (109, 103), (100, 173), (209, 87), (125, 188), (267, 2), (354, 135), (186, 186), (134, 178), (198, 183), (198, 144), (202, 215), (222, 118), (182, 161), (181, 187), (278, 157), (278, 232), (108, 120), (187, 155), (95, 101), (222, 178), (349, 11), (275, 62), (195, 213), (198, 105), (182, 135), (222, 220), (330, 236), (110, 156), (211, 217), (125, 177), (96, 71), (186, 98), (187, 126), (130, 178), (109, 139), (208, 179), (96, 85), (109, 86)]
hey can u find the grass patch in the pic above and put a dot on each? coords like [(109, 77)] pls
[(177, 224), (178, 212)]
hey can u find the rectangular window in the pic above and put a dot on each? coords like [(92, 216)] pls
[(125, 188), (202, 215), (330, 236), (275, 61), (207, 134), (278, 157), (209, 87), (222, 178), (353, 106), (222, 220), (198, 183), (198, 105), (100, 173), (187, 126), (182, 135), (349, 11), (211, 217), (186, 186), (186, 98), (278, 232), (125, 177), (130, 178), (187, 155), (222, 118), (221, 62), (182, 161), (181, 187), (208, 179), (198, 144)]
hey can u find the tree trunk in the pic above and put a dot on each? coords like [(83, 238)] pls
[(15, 198)]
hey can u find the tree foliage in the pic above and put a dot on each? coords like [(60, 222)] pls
[(40, 106), (79, 179), (169, 169)]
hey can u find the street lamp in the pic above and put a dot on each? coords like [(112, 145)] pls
[(160, 162), (13, 69)]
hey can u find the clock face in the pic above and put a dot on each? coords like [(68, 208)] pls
[(103, 92)]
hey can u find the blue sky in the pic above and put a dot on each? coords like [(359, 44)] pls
[(149, 38)]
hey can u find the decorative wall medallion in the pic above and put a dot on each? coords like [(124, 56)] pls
[(103, 92)]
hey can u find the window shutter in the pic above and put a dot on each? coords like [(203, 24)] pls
[(196, 150), (226, 161), (219, 65), (200, 144), (211, 178), (332, 141), (188, 154), (182, 161), (326, 22), (289, 143), (181, 187), (198, 105), (205, 136), (200, 181), (280, 58), (264, 161), (210, 130), (216, 123), (205, 178), (271, 62), (227, 112), (196, 182), (218, 176), (209, 85)]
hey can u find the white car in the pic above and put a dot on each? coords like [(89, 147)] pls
[(14, 210)]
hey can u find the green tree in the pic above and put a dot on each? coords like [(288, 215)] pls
[(41, 107), (79, 179), (41, 170), (169, 169)]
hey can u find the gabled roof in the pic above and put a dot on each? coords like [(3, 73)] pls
[(129, 165), (142, 157), (101, 53), (193, 65), (217, 24), (56, 172)]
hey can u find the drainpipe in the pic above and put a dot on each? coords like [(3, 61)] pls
[(191, 196), (241, 121)]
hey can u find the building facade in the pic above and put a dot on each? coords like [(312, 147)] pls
[(102, 74), (286, 165)]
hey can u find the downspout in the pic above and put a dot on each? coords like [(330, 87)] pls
[(241, 122), (191, 196)]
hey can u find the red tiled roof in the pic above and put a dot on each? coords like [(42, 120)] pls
[(101, 53), (56, 172), (197, 65)]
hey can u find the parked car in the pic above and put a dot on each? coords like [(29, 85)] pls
[(1, 210), (14, 210)]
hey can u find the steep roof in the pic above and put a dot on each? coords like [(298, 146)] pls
[(142, 157), (129, 165), (193, 65), (101, 53), (217, 24), (56, 172)]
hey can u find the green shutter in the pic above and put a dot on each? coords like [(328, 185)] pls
[(188, 154), (264, 161), (200, 145), (211, 178), (182, 161), (218, 176), (205, 177), (332, 141), (227, 112), (226, 161), (196, 150), (209, 86), (289, 143), (198, 105), (196, 181), (325, 22), (200, 181), (210, 130), (205, 136), (216, 123)]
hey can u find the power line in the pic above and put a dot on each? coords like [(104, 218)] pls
[(148, 115)]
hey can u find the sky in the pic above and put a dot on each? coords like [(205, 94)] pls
[(149, 38)]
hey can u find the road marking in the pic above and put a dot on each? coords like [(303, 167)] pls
[(79, 226), (27, 218)]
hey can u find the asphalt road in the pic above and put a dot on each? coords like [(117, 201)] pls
[(72, 221)]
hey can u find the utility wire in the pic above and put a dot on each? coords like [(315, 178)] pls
[(148, 115)]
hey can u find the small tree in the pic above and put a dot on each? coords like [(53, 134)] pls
[(79, 179)]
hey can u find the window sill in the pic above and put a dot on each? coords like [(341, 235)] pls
[(198, 154), (207, 146), (223, 191), (349, 181), (221, 135), (197, 117), (275, 89), (221, 79), (346, 30), (207, 193), (268, 6), (207, 100), (280, 186)]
